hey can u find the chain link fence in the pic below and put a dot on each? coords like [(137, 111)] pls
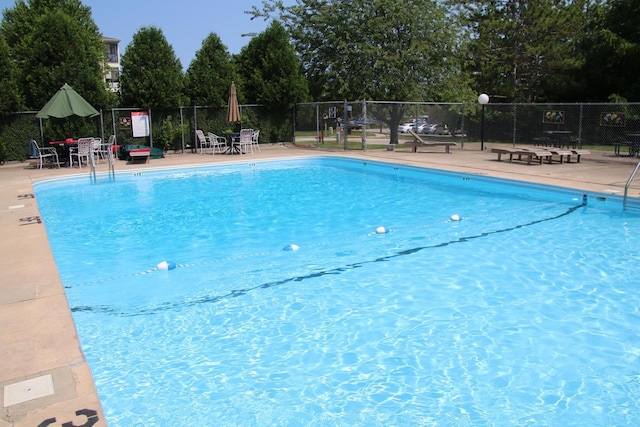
[(366, 124), (167, 129), (345, 125)]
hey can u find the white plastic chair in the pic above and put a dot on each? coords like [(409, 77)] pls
[(218, 143), (204, 143), (246, 140), (254, 140), (47, 154), (106, 151), (99, 149), (83, 151)]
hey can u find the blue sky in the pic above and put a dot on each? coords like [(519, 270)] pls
[(185, 23)]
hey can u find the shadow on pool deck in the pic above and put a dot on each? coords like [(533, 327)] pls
[(44, 377)]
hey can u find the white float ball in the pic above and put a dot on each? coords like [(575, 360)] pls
[(455, 217), (166, 265), (291, 247), (381, 230)]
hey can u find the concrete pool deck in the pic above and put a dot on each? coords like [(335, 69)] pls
[(44, 377)]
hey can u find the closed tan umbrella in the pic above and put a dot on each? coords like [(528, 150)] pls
[(233, 112)]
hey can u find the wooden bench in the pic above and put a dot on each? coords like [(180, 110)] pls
[(560, 152), (419, 142), (578, 153), (564, 152), (523, 154), (142, 154)]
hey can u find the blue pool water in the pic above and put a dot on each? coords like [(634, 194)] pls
[(525, 312)]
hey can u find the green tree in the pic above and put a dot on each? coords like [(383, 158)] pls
[(393, 50), (10, 98), (613, 51), (526, 50), (168, 132), (210, 73), (270, 74), (151, 73), (54, 42)]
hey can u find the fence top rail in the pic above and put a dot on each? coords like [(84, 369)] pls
[(416, 102), (539, 104), (545, 104)]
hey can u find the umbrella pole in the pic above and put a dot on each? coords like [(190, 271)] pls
[(41, 132), (101, 126)]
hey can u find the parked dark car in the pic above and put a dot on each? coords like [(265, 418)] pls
[(358, 123)]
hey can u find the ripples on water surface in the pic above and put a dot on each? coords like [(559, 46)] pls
[(525, 312)]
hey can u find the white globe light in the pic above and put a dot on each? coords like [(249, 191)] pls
[(483, 98)]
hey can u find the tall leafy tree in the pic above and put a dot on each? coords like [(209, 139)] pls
[(270, 74), (10, 98), (380, 49), (613, 51), (526, 50), (54, 42), (210, 74), (394, 50), (151, 73)]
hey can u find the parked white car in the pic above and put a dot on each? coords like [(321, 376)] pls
[(405, 127), (423, 128)]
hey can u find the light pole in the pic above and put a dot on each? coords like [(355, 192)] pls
[(483, 100)]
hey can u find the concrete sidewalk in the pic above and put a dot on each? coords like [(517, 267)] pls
[(44, 377)]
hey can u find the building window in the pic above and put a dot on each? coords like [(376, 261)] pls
[(112, 53)]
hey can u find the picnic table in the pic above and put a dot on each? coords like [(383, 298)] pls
[(632, 144)]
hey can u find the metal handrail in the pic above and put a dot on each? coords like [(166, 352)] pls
[(626, 187)]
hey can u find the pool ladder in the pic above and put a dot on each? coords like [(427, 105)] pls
[(626, 187)]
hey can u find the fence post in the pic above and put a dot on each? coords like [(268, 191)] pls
[(317, 125), (515, 123), (345, 125), (580, 128), (363, 130), (150, 130), (182, 129), (113, 123)]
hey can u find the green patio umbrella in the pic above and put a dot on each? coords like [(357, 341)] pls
[(67, 102)]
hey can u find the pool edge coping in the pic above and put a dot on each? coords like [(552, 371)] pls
[(31, 289)]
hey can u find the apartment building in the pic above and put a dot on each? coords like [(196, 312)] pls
[(112, 76)]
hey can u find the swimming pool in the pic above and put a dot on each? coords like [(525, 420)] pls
[(523, 312)]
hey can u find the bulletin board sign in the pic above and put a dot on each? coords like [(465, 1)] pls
[(140, 123), (554, 117), (124, 123), (615, 119)]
